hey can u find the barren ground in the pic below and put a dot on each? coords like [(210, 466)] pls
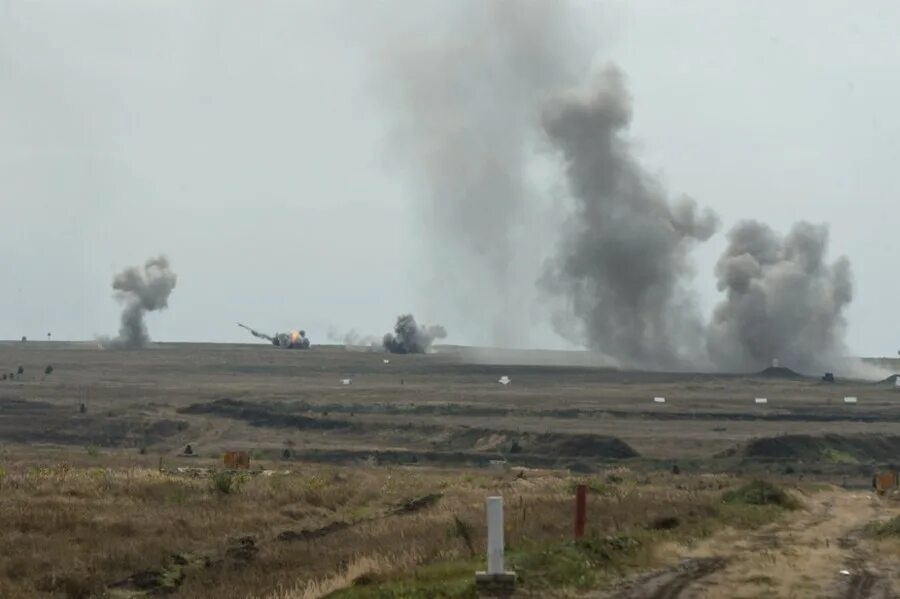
[(341, 458)]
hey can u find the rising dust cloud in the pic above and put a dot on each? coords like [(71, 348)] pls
[(623, 262), (407, 337), (411, 338), (473, 106), (463, 101), (781, 299), (141, 291)]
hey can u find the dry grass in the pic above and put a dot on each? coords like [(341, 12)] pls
[(72, 529), (77, 519), (367, 567)]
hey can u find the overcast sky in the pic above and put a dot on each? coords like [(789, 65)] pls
[(249, 142)]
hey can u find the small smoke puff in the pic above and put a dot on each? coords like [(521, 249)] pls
[(141, 291), (782, 299), (352, 339), (409, 338)]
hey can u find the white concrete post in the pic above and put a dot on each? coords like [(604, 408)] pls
[(495, 535)]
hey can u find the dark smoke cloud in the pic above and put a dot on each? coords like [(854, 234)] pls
[(409, 338), (464, 99), (473, 101), (622, 265), (782, 300), (141, 291)]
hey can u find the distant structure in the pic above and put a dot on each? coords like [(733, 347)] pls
[(885, 481), (237, 460), (828, 377), (24, 338)]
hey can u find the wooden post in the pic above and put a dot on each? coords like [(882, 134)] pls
[(580, 510)]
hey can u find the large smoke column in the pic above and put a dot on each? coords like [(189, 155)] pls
[(142, 291), (464, 99), (409, 338), (469, 107), (622, 264), (782, 300)]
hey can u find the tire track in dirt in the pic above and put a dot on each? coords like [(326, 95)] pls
[(671, 582), (818, 551), (866, 580), (861, 585), (691, 571)]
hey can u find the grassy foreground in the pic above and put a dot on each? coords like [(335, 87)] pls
[(94, 525)]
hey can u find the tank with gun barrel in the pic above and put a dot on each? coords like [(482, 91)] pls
[(289, 340)]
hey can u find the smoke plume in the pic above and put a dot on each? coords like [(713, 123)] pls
[(141, 291), (782, 300), (464, 100), (471, 107), (622, 265), (409, 338)]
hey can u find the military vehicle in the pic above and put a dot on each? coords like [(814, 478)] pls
[(289, 340)]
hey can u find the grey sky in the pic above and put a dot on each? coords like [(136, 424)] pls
[(249, 143)]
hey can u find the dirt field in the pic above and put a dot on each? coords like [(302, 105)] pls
[(261, 399), (410, 447)]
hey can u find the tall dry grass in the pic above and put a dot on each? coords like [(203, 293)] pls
[(72, 529)]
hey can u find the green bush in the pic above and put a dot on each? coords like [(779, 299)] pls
[(760, 492), (891, 528), (227, 483), (572, 564)]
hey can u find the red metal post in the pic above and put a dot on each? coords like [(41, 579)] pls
[(580, 510)]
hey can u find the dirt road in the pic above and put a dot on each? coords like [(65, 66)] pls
[(816, 552)]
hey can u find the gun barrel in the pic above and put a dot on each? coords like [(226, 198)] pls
[(255, 333)]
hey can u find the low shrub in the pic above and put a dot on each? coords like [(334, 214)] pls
[(227, 483), (760, 492), (888, 529)]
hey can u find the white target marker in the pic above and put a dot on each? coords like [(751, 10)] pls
[(345, 381), (504, 380), (659, 400), (761, 400), (849, 400), (387, 361)]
